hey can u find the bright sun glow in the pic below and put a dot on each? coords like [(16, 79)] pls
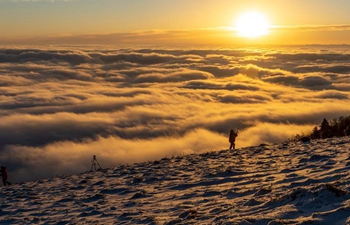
[(252, 24)]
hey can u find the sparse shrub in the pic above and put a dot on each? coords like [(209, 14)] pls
[(335, 128)]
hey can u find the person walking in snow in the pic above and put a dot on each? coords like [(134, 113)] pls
[(4, 176), (232, 139)]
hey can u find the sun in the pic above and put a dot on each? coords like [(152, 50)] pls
[(252, 24)]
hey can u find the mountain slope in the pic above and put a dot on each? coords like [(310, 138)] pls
[(296, 183)]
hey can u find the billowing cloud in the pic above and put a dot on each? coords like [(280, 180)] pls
[(263, 133), (58, 107), (312, 81), (332, 94), (174, 77), (250, 98), (67, 157), (343, 69)]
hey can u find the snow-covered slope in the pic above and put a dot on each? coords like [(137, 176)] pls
[(297, 183)]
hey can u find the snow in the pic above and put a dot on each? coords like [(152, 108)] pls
[(295, 183)]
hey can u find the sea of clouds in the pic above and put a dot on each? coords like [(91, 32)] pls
[(60, 106)]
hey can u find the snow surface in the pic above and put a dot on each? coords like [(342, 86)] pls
[(295, 183)]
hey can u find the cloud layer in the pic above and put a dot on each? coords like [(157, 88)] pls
[(59, 107)]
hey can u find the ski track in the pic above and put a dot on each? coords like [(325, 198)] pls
[(295, 183)]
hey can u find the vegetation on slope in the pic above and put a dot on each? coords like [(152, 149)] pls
[(338, 127)]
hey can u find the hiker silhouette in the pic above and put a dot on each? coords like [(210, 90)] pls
[(232, 139), (4, 176)]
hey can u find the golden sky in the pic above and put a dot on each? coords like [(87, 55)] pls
[(181, 22)]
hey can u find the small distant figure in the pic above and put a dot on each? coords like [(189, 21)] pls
[(232, 139), (94, 164), (347, 131), (4, 176)]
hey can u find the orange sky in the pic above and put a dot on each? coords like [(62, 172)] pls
[(181, 22)]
